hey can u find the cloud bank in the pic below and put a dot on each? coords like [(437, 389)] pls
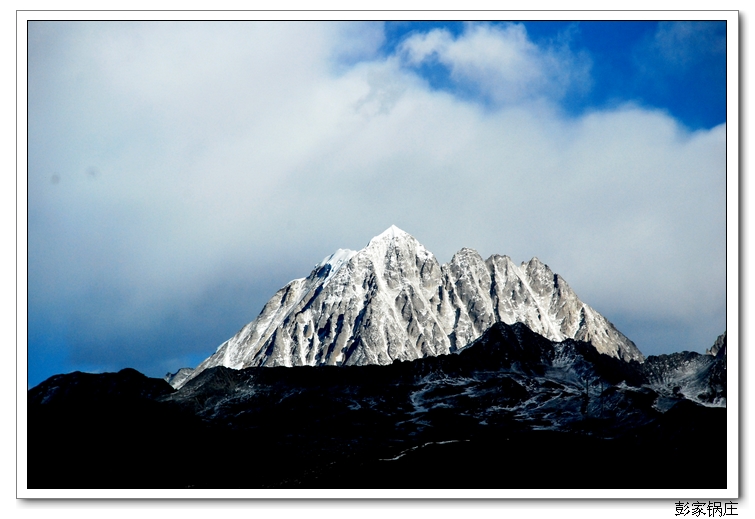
[(179, 173)]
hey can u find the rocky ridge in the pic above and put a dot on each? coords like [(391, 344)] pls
[(511, 410), (393, 300)]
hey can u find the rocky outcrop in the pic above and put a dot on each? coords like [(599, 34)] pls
[(718, 346)]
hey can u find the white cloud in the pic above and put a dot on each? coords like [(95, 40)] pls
[(224, 151), (501, 62)]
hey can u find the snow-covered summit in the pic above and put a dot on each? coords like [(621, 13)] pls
[(330, 265), (393, 300), (391, 233)]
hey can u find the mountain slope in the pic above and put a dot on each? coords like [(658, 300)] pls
[(512, 410), (392, 300)]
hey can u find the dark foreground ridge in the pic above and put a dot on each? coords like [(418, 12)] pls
[(513, 410)]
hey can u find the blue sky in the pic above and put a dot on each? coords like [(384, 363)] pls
[(180, 173)]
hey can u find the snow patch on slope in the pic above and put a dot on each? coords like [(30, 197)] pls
[(330, 265)]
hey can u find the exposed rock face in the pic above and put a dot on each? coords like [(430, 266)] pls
[(687, 374), (178, 378), (719, 345), (392, 300)]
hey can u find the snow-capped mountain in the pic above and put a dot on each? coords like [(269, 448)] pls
[(392, 300)]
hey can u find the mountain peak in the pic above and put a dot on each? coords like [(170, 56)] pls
[(535, 265), (390, 233), (328, 267), (535, 261), (466, 251)]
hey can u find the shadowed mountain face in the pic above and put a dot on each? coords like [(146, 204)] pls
[(513, 410)]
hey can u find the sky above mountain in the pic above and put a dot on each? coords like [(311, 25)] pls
[(180, 173)]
